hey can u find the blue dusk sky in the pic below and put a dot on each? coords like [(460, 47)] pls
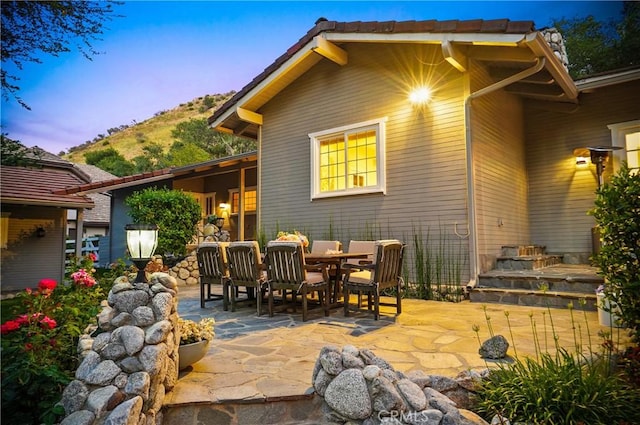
[(164, 53)]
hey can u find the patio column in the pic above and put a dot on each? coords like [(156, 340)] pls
[(79, 231)]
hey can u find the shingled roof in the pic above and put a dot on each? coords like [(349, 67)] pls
[(36, 186)]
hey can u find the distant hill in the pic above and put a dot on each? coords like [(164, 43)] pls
[(130, 139)]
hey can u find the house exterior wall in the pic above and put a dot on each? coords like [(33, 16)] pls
[(120, 218), (425, 149), (502, 210), (560, 194), (28, 258)]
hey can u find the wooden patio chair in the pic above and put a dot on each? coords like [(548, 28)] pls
[(320, 247), (287, 271), (245, 270), (369, 279), (212, 268)]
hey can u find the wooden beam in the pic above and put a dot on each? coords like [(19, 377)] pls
[(330, 51), (501, 54), (542, 77), (222, 129), (454, 56), (249, 116)]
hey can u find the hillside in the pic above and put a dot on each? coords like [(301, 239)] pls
[(129, 141)]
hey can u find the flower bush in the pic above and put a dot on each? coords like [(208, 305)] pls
[(39, 356), (293, 237), (191, 331)]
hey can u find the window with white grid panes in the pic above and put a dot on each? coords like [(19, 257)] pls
[(348, 160)]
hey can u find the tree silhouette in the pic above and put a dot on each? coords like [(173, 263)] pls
[(32, 28)]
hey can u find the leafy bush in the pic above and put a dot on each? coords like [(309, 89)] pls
[(617, 213), (39, 356), (175, 212), (559, 389)]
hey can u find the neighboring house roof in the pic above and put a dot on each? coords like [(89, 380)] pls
[(506, 47), (38, 187), (159, 175), (608, 78), (101, 213)]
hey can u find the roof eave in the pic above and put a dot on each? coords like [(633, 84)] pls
[(44, 203), (609, 79), (278, 79)]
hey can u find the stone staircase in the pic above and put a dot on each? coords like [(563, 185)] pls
[(526, 275)]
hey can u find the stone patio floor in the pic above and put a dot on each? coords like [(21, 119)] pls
[(264, 358)]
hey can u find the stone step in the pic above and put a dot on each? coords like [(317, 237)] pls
[(554, 286), (527, 297), (530, 282), (299, 410), (522, 250), (527, 262)]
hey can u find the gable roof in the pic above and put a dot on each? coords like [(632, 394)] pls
[(38, 186), (507, 47), (100, 215)]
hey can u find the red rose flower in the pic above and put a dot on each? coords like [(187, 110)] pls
[(48, 322), (92, 256), (28, 346), (47, 285), (9, 326)]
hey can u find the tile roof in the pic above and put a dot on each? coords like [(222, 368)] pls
[(37, 186), (116, 182), (481, 26), (101, 213), (151, 176)]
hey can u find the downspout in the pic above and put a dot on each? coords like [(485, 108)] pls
[(474, 259)]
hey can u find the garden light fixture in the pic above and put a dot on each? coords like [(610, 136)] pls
[(142, 240)]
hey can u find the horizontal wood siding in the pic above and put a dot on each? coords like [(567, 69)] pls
[(500, 175), (425, 156), (561, 194), (28, 258)]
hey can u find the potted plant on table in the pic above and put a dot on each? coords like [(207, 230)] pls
[(194, 340)]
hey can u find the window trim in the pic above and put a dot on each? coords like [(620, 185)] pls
[(246, 189), (618, 134), (316, 138)]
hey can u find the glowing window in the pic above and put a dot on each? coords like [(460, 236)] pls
[(348, 160), (250, 201)]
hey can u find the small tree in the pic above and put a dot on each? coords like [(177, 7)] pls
[(174, 211), (617, 213)]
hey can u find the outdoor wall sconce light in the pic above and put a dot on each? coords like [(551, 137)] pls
[(599, 156), (582, 157), (40, 232), (420, 96), (142, 240)]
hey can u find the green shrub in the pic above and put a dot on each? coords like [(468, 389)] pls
[(583, 387), (559, 389), (617, 213), (174, 211), (39, 356)]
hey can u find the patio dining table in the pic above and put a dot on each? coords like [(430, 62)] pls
[(334, 260)]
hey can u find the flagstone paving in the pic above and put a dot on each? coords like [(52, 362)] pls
[(271, 358)]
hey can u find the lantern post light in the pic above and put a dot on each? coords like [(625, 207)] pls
[(142, 240)]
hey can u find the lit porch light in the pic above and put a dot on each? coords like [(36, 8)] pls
[(420, 96), (582, 157), (142, 240)]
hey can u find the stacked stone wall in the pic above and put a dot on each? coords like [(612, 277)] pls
[(131, 359), (360, 388), (185, 272)]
